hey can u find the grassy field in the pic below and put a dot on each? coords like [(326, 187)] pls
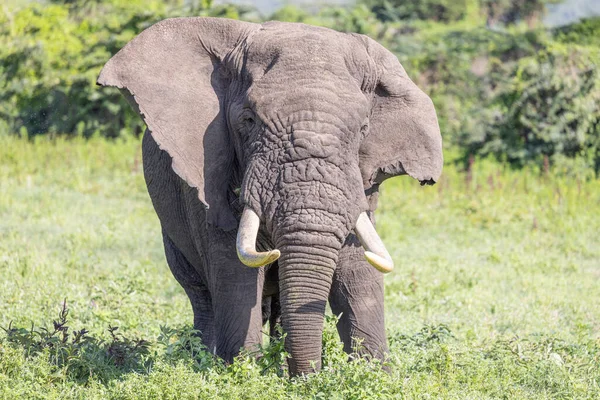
[(496, 292)]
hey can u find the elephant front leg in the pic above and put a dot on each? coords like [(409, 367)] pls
[(196, 290), (357, 294), (271, 306), (236, 297)]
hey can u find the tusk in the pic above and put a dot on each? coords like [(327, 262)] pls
[(246, 242), (375, 251)]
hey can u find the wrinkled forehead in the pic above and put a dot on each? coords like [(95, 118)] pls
[(291, 47)]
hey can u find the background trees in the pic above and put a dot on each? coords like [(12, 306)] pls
[(503, 84)]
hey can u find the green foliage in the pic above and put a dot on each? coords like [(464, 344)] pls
[(548, 110), (185, 345), (424, 338), (357, 19), (506, 11), (512, 11), (496, 91), (78, 356), (290, 13), (436, 10), (461, 69), (519, 95), (272, 358), (584, 32), (513, 93), (52, 54)]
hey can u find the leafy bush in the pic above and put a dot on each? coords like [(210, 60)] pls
[(512, 11), (521, 95), (506, 11), (53, 54), (437, 10), (549, 111), (78, 355), (585, 32), (461, 69), (290, 13), (518, 95)]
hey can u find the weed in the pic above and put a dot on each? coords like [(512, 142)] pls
[(77, 355)]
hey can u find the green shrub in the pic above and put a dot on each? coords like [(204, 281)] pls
[(437, 10), (513, 11), (290, 13), (506, 11), (585, 32), (53, 54), (522, 95), (462, 68), (77, 355), (548, 113)]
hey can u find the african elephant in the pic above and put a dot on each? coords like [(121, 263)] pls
[(275, 136)]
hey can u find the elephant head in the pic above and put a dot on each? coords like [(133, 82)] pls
[(306, 120)]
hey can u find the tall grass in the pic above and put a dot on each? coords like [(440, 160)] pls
[(495, 293)]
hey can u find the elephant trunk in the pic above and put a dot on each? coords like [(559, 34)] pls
[(306, 270)]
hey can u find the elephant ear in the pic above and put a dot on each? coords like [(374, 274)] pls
[(404, 135), (171, 74)]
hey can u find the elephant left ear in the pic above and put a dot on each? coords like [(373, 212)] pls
[(175, 77), (404, 135)]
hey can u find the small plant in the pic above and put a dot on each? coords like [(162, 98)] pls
[(185, 344), (333, 350), (124, 351), (428, 335), (58, 341), (77, 354), (274, 356)]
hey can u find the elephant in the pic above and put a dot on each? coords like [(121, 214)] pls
[(265, 148)]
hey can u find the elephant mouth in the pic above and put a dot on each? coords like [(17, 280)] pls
[(375, 252)]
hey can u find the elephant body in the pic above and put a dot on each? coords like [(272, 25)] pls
[(290, 129), (228, 298)]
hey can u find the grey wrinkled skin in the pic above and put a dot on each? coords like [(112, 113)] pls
[(307, 122)]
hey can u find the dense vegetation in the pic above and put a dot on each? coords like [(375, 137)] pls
[(495, 294), (510, 89)]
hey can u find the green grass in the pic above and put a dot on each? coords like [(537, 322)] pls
[(496, 290)]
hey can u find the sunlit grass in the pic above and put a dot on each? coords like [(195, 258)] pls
[(495, 292)]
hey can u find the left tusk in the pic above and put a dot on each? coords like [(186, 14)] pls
[(246, 242), (375, 251)]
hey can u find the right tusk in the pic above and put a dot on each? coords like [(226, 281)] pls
[(375, 251), (246, 242)]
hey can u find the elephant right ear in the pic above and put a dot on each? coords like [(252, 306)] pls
[(170, 75)]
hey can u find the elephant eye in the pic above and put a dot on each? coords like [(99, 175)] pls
[(364, 129), (248, 122)]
